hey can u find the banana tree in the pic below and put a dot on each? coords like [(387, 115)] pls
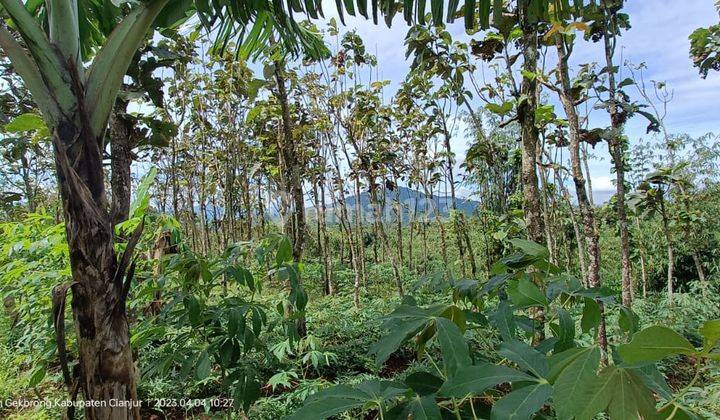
[(76, 103)]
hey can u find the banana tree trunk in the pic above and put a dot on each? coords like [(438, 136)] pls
[(107, 373), (76, 106)]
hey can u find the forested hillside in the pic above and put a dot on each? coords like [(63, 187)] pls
[(226, 210)]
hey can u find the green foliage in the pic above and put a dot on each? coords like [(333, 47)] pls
[(705, 49), (579, 384)]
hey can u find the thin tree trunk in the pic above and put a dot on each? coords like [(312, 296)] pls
[(27, 183), (355, 254), (468, 245), (457, 223), (643, 267), (530, 139), (324, 240), (670, 251), (293, 177), (617, 150), (586, 209), (398, 223), (121, 144), (359, 231), (383, 236), (441, 227), (411, 235)]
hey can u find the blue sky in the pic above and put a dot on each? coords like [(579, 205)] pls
[(659, 38)]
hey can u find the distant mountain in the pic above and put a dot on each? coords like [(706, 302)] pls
[(412, 201)]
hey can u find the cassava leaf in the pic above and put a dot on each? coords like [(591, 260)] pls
[(478, 378), (653, 344), (521, 403)]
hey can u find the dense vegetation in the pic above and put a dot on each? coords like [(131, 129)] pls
[(286, 236)]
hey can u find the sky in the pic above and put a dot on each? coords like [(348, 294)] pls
[(658, 38)]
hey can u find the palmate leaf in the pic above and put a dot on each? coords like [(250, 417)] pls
[(530, 247), (654, 380), (560, 361), (453, 346), (402, 324), (335, 400), (524, 293), (522, 403), (478, 378), (423, 383), (710, 332), (504, 320), (570, 382), (564, 330), (341, 398), (525, 356), (591, 315), (619, 391), (653, 344), (408, 321), (423, 408)]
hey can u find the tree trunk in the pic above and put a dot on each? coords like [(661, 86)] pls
[(325, 240), (100, 282), (161, 245), (670, 251), (355, 254), (121, 132), (579, 237), (441, 227), (586, 209), (529, 132), (529, 136), (27, 183), (411, 238), (457, 223), (293, 177), (617, 150), (380, 228), (359, 231), (468, 245)]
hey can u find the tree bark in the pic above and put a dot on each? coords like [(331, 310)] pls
[(530, 139), (100, 281), (670, 250), (121, 132), (27, 183), (528, 130), (617, 150), (383, 235), (292, 177), (586, 210)]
